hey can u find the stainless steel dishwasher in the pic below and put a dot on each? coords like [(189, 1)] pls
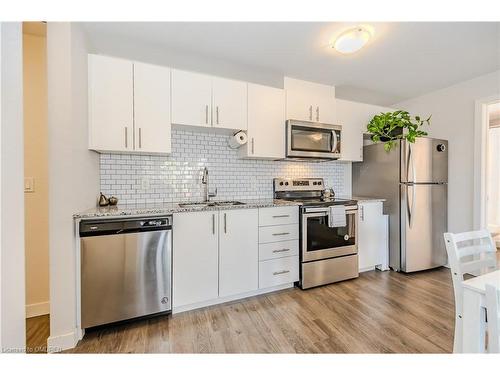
[(126, 269)]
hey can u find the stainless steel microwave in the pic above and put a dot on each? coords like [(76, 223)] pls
[(312, 140)]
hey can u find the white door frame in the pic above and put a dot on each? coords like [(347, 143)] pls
[(480, 159)]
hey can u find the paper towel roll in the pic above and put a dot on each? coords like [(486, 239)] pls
[(238, 139)]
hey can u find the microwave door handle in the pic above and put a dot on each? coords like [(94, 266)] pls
[(334, 141)]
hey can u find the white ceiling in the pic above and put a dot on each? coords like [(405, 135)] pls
[(402, 61)]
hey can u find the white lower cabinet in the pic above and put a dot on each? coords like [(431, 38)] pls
[(238, 252), (278, 246), (278, 271), (220, 256), (373, 250), (195, 257), (277, 233), (281, 249)]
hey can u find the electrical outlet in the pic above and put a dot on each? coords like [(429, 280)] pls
[(145, 185)]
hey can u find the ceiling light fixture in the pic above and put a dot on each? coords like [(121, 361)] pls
[(352, 40)]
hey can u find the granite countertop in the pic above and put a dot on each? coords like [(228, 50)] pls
[(170, 208)]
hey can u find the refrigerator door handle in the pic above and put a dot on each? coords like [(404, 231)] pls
[(408, 162), (410, 208)]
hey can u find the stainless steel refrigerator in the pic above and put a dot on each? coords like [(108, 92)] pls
[(413, 178)]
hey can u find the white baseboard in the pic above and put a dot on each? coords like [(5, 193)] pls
[(37, 309), (62, 342), (220, 300)]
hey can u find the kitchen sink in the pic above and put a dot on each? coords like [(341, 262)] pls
[(210, 204), (229, 203)]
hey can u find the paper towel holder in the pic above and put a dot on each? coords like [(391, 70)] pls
[(237, 140)]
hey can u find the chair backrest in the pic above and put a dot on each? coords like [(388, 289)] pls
[(493, 308), (471, 253)]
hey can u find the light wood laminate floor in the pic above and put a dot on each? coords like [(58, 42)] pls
[(379, 312)]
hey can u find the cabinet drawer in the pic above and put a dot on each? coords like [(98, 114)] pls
[(278, 233), (278, 215), (278, 271), (281, 249)]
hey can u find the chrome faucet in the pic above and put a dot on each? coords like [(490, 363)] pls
[(204, 181)]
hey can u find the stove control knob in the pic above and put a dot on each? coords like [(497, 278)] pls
[(319, 182), (281, 183), (286, 183), (314, 182)]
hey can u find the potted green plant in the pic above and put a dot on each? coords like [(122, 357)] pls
[(390, 127)]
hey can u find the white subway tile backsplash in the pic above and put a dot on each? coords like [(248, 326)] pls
[(136, 179)]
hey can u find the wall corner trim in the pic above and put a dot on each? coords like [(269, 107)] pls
[(59, 343)]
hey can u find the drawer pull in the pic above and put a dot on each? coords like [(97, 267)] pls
[(280, 272), (280, 250), (277, 216), (281, 234)]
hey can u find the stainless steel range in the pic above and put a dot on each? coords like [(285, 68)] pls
[(328, 252)]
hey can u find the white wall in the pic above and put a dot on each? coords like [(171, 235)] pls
[(452, 112), (73, 171), (12, 285)]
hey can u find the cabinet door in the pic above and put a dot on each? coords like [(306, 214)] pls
[(238, 252), (195, 257), (152, 108), (309, 101), (371, 235), (325, 110), (266, 123), (229, 109), (110, 89), (191, 98), (353, 117)]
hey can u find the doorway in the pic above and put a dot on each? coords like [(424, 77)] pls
[(493, 171), (36, 194)]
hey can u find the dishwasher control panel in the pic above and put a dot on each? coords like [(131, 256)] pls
[(104, 227)]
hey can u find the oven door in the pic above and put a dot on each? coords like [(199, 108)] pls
[(319, 241), (312, 140)]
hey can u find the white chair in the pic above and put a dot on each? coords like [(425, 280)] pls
[(493, 310), (471, 253)]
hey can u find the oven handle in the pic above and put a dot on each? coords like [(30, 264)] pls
[(322, 211)]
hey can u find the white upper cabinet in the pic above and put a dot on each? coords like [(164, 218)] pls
[(152, 108), (266, 123), (309, 101), (238, 252), (191, 99), (206, 101), (353, 117), (129, 106), (229, 104), (111, 120)]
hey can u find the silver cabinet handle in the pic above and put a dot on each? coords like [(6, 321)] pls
[(253, 146), (280, 272), (310, 113), (317, 114), (280, 250), (225, 223), (217, 115), (206, 114), (140, 138), (126, 137), (213, 223), (362, 213), (281, 234), (277, 216)]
